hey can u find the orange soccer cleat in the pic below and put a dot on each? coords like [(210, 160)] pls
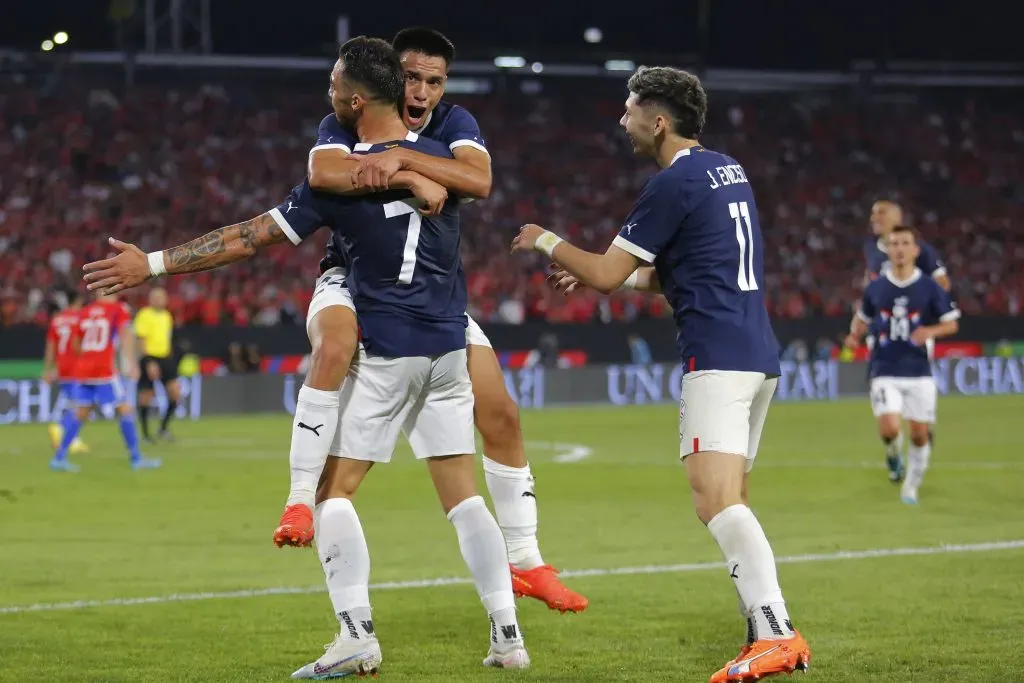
[(296, 527), (542, 583), (766, 658)]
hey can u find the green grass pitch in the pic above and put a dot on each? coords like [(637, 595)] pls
[(612, 495)]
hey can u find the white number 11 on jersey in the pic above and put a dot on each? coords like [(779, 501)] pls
[(745, 275), (412, 238)]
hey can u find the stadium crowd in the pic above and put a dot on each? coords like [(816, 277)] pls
[(159, 166)]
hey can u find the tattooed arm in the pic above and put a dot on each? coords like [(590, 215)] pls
[(224, 245), (131, 266)]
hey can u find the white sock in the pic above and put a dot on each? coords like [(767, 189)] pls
[(346, 562), (751, 564), (483, 549), (917, 462), (515, 505), (316, 419)]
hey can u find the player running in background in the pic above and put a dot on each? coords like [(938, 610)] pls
[(101, 325), (885, 216), (59, 361), (331, 321), (410, 289), (154, 326), (904, 309), (697, 223)]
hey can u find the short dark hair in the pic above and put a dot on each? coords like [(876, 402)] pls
[(678, 92), (426, 40), (910, 230), (375, 66)]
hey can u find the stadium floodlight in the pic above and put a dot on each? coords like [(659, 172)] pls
[(620, 65), (593, 35), (60, 37), (47, 45), (536, 67), (510, 62)]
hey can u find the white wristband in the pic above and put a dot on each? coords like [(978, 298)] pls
[(547, 242), (156, 263), (631, 281)]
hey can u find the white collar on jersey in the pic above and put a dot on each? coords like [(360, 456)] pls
[(425, 123), (914, 277), (365, 146), (680, 154)]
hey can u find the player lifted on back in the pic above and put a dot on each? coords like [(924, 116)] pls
[(406, 278), (59, 361), (904, 310), (331, 321), (885, 216), (697, 223), (100, 326)]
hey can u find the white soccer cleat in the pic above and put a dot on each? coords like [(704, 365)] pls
[(513, 658), (343, 658), (908, 494)]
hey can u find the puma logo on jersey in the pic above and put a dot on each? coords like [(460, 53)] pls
[(629, 228), (291, 205), (315, 430)]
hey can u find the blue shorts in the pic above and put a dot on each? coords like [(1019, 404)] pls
[(66, 389), (104, 394)]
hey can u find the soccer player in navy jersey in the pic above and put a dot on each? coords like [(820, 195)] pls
[(904, 309), (886, 214), (335, 165), (410, 376), (696, 222)]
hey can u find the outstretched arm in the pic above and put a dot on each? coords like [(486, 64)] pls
[(643, 279), (223, 246), (604, 272)]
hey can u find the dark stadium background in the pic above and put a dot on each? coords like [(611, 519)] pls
[(959, 62)]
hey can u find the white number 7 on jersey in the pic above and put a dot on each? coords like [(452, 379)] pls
[(745, 275), (412, 238)]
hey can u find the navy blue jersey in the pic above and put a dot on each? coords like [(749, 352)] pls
[(696, 221), (893, 310), (448, 124), (877, 259), (405, 273)]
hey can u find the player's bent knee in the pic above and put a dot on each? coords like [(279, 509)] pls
[(919, 433), (888, 427), (498, 419), (83, 413), (330, 359), (341, 478), (716, 480)]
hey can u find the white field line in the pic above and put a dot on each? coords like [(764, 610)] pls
[(431, 583)]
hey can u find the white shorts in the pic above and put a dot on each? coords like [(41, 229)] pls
[(429, 399), (474, 335), (914, 398), (330, 291), (724, 411)]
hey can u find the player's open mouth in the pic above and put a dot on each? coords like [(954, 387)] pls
[(415, 113)]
